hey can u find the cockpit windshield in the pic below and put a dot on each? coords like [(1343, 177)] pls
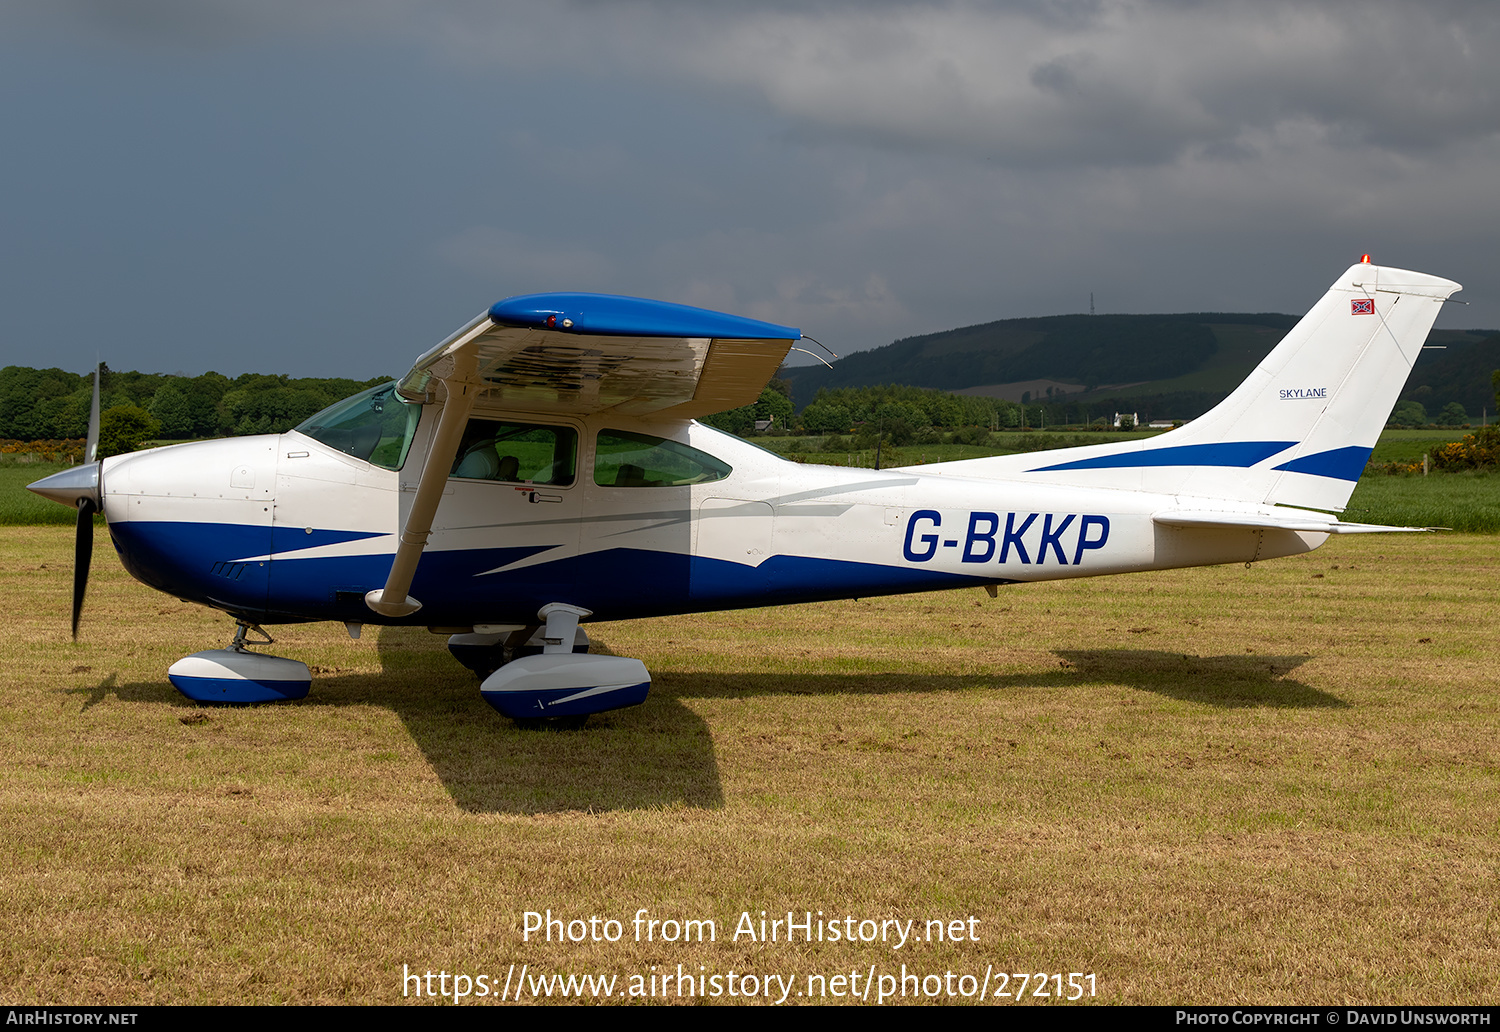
[(376, 425)]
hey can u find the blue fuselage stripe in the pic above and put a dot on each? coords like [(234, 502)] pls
[(1236, 453), (194, 561), (1340, 463)]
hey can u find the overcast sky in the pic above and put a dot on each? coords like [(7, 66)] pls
[(328, 188)]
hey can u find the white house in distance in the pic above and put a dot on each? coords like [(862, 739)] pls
[(1155, 424)]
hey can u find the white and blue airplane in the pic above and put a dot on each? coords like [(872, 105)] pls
[(543, 467)]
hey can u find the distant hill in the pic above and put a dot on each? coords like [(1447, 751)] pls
[(1164, 366), (1459, 372)]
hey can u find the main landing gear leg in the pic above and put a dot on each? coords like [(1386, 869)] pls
[(234, 674), (561, 682), (486, 651)]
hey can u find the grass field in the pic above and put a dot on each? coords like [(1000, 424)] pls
[(19, 507), (1411, 445), (1468, 501), (1272, 784)]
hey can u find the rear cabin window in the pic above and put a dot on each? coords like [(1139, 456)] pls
[(625, 459), (517, 453)]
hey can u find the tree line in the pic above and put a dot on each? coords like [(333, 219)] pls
[(53, 404), (900, 414)]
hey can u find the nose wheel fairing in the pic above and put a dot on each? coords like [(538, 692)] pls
[(224, 675), (235, 675)]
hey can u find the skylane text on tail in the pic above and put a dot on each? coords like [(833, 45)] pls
[(542, 468)]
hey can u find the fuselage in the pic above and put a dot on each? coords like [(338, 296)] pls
[(287, 528)]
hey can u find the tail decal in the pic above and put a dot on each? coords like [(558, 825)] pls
[(1243, 454), (1339, 464)]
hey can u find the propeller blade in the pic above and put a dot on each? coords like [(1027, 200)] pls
[(91, 447), (83, 556)]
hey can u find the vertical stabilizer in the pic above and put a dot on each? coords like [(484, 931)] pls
[(1301, 427), (1327, 389)]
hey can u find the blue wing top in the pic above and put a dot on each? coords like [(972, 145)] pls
[(613, 315), (582, 353)]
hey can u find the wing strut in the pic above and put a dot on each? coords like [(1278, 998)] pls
[(459, 372)]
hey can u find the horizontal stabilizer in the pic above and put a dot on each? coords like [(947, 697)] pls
[(1309, 523)]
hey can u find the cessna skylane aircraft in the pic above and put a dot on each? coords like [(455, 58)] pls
[(542, 467)]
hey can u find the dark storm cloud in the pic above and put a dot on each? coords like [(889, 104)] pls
[(351, 180), (1131, 81), (1028, 82), (186, 23)]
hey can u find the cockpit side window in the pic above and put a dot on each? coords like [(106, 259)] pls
[(518, 453), (376, 425), (625, 459)]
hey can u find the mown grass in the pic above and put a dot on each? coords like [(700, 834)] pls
[(1273, 784), (1411, 445), (19, 507), (1465, 501)]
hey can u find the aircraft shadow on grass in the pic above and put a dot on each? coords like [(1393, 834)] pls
[(662, 754), (654, 756), (1229, 682)]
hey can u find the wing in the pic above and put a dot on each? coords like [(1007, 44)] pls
[(576, 354), (583, 353)]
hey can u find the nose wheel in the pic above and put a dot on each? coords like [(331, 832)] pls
[(236, 675)]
